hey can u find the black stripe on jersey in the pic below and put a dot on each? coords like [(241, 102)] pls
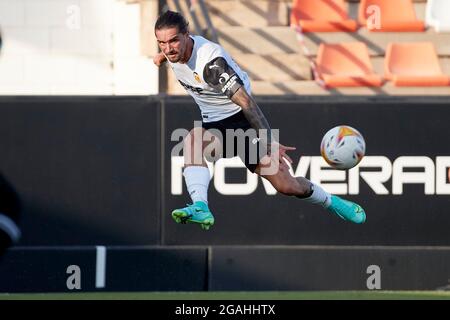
[(221, 77), (188, 87)]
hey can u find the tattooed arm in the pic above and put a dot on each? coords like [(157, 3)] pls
[(252, 112), (258, 121), (219, 75)]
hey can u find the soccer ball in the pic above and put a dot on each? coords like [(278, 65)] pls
[(343, 147)]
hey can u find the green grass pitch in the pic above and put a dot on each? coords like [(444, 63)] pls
[(286, 295)]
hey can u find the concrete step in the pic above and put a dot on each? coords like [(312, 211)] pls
[(286, 74), (312, 88), (419, 6), (280, 67), (275, 72), (377, 42), (378, 64), (270, 68), (259, 13), (288, 67), (262, 41), (265, 68), (197, 23), (248, 13), (275, 40)]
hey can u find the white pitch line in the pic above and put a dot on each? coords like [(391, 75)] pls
[(100, 267)]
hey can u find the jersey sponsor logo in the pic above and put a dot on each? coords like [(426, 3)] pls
[(382, 175), (191, 88)]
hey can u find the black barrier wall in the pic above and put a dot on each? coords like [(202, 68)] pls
[(403, 182), (224, 268), (88, 172), (93, 171), (86, 169), (72, 269)]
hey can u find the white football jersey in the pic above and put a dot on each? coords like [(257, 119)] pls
[(211, 77)]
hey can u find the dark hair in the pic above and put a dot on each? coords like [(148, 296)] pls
[(170, 19)]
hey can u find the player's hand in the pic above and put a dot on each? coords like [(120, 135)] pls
[(159, 59), (282, 151)]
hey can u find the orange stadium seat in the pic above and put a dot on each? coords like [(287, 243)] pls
[(389, 15), (322, 16), (414, 64), (346, 65)]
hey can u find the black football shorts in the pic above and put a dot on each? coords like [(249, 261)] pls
[(246, 144)]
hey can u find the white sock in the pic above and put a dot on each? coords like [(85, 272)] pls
[(319, 196), (197, 181)]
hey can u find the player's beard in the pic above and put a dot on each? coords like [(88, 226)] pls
[(175, 58)]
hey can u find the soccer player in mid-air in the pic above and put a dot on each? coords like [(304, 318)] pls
[(222, 91)]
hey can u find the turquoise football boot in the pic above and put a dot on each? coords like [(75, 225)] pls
[(347, 210), (195, 213)]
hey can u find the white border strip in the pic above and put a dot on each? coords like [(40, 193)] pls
[(100, 267)]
